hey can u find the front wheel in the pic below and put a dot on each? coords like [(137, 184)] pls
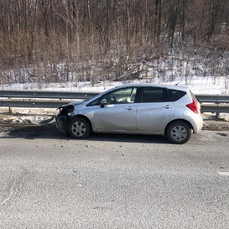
[(79, 128), (178, 132)]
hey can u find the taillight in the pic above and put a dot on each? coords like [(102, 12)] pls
[(193, 106)]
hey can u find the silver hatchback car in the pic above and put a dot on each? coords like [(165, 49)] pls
[(172, 111)]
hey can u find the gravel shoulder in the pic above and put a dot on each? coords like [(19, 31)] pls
[(211, 123)]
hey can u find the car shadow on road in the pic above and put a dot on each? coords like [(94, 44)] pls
[(49, 131)]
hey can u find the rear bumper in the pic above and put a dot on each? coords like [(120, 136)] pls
[(197, 123)]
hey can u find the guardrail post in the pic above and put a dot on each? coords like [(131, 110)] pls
[(217, 115), (217, 103), (10, 109)]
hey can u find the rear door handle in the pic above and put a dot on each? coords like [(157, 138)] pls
[(167, 106), (129, 108)]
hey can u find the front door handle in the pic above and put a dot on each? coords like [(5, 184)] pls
[(167, 106)]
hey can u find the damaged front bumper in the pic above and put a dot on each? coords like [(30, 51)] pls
[(63, 118), (62, 124), (46, 121)]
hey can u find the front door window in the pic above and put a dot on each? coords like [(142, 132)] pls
[(122, 96)]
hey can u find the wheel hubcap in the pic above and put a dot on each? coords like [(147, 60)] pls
[(179, 133), (79, 129)]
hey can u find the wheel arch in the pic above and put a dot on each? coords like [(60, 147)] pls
[(175, 120), (84, 117)]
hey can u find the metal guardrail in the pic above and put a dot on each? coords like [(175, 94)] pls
[(213, 98), (51, 99), (213, 108), (218, 103), (21, 98), (47, 94), (33, 103)]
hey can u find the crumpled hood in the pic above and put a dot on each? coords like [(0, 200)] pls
[(70, 104), (75, 103)]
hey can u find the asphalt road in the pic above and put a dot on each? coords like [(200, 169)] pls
[(48, 180)]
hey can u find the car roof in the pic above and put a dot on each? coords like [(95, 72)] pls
[(175, 87)]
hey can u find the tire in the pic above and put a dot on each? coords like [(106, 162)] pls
[(79, 128), (178, 132)]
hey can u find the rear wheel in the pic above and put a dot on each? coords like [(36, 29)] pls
[(79, 128), (178, 132)]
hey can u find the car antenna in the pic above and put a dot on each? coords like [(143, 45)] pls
[(178, 83)]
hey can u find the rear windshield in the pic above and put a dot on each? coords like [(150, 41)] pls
[(174, 95)]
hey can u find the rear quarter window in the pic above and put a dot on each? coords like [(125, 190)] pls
[(174, 95)]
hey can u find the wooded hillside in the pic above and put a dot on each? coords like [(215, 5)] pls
[(72, 40)]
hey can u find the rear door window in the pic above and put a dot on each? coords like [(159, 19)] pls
[(153, 95)]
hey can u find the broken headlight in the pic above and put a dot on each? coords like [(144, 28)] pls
[(66, 110)]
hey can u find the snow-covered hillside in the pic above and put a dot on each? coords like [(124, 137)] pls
[(206, 71), (198, 84)]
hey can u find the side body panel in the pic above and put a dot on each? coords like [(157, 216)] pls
[(116, 117), (152, 117)]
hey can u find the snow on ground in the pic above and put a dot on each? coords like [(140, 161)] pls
[(26, 115), (198, 84)]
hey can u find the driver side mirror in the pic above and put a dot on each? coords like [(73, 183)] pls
[(103, 102)]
